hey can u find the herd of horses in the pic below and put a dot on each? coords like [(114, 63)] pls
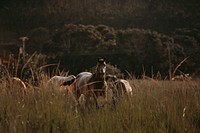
[(86, 86)]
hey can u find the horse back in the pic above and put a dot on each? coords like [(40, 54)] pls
[(81, 83), (123, 86)]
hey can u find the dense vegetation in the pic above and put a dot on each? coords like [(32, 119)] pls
[(136, 36), (159, 15), (156, 106)]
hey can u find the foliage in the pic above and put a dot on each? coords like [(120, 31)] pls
[(189, 40), (39, 37), (156, 106), (160, 15), (140, 32), (136, 47)]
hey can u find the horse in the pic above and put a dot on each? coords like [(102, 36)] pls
[(92, 85), (15, 86), (118, 86), (60, 84), (123, 87)]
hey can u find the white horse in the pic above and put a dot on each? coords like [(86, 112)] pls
[(15, 86), (60, 84), (123, 87), (119, 86)]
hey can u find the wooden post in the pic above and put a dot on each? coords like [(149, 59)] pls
[(169, 61), (24, 39)]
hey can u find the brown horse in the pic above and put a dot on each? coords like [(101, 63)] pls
[(92, 85)]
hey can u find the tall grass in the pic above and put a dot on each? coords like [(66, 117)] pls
[(155, 107)]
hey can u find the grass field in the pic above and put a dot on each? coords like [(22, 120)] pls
[(155, 107)]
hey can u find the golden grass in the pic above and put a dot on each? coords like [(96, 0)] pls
[(155, 107)]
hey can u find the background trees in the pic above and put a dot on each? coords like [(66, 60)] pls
[(131, 33)]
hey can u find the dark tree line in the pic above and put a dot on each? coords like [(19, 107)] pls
[(159, 15), (78, 46), (131, 33)]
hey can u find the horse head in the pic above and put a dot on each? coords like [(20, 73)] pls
[(101, 67)]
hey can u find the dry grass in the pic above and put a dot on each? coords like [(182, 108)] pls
[(156, 106)]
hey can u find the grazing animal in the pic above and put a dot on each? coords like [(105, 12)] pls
[(119, 86), (123, 86), (182, 77), (92, 85), (16, 86), (60, 84), (18, 82)]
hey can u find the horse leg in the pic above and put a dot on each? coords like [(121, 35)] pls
[(96, 101), (87, 102), (90, 94), (115, 96)]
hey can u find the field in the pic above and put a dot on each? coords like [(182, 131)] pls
[(155, 107)]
